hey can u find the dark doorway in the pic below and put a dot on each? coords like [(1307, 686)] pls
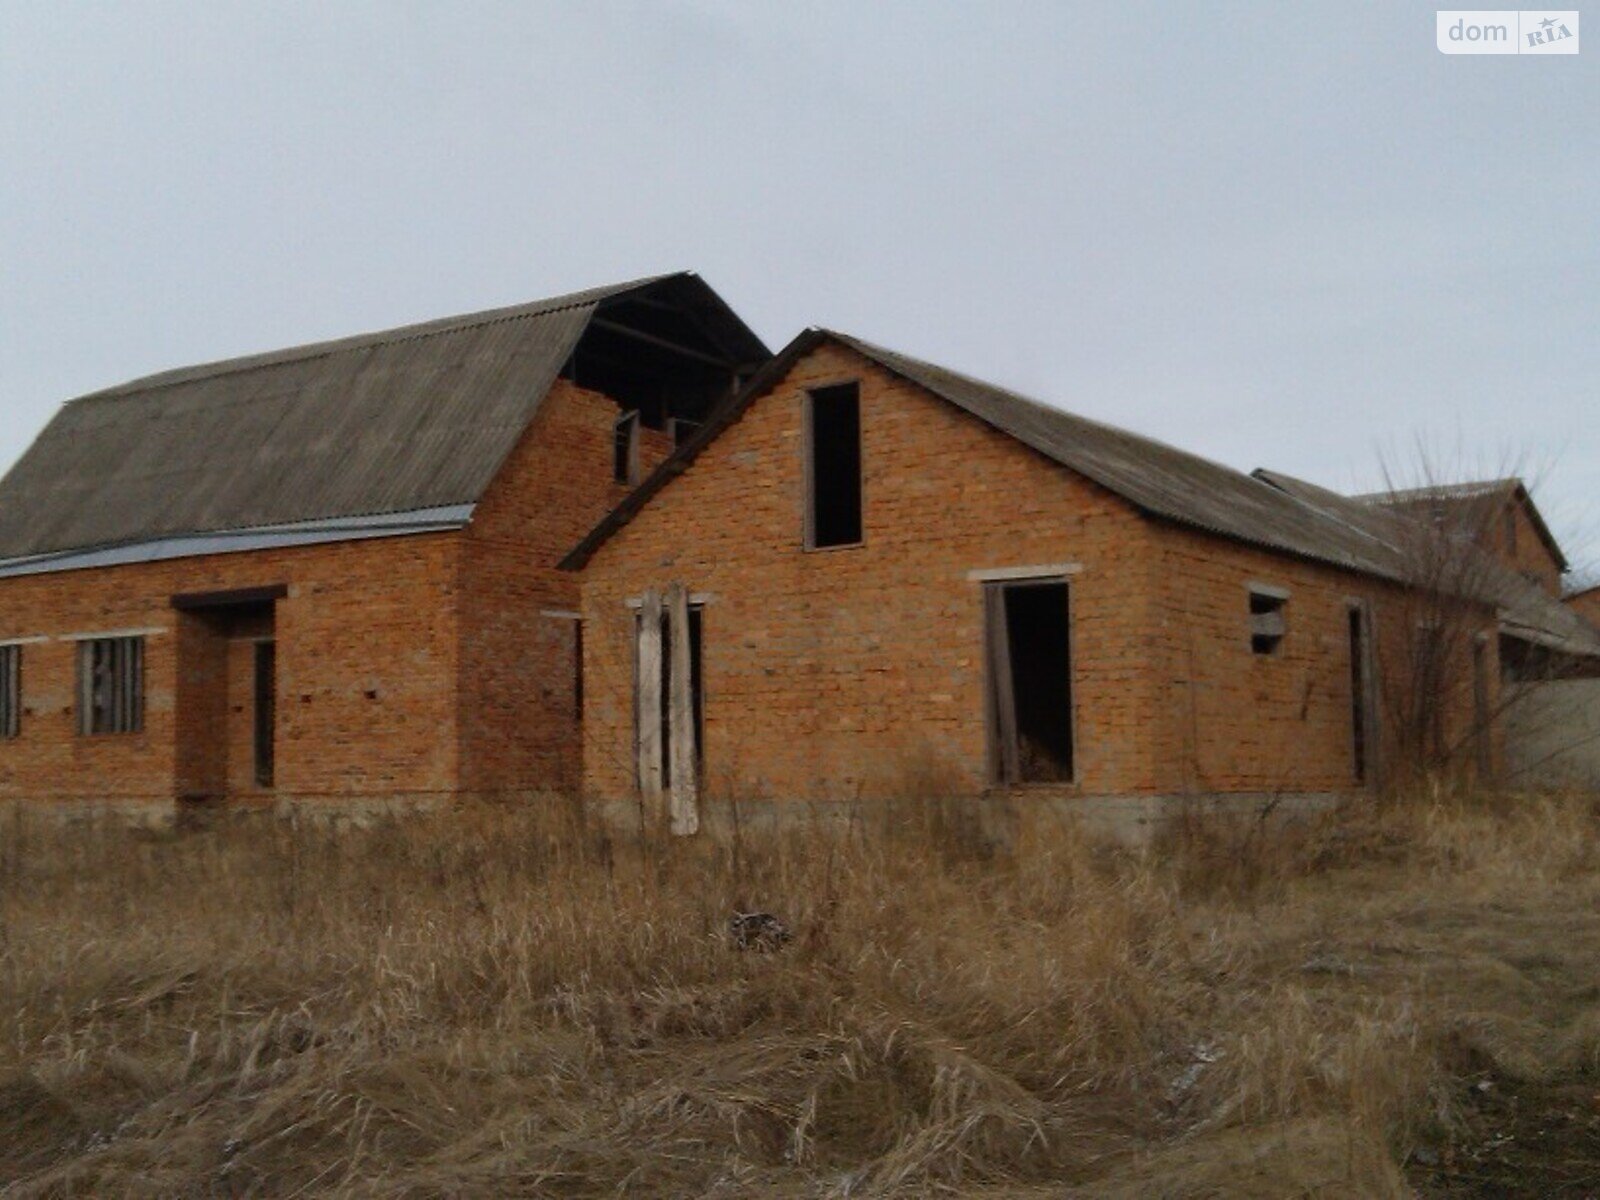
[(666, 691), (1358, 691), (227, 692), (266, 706), (1482, 750), (1030, 681)]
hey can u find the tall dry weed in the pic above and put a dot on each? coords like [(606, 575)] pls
[(513, 1001)]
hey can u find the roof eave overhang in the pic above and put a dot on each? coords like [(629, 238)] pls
[(446, 519)]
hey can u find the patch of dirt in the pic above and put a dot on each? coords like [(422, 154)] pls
[(1518, 1139)]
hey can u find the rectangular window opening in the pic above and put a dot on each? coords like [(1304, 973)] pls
[(10, 691), (833, 483), (682, 429), (1030, 681), (577, 670), (1267, 622), (625, 449), (1481, 717), (111, 685)]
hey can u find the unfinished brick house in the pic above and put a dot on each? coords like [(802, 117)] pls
[(329, 572), (869, 574)]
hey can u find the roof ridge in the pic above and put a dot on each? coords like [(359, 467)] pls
[(1465, 489), (1051, 410), (415, 331)]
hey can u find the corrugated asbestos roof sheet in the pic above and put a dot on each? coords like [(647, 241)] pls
[(408, 419)]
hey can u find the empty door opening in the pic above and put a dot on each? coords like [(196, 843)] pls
[(266, 705), (1482, 751), (1030, 681), (1358, 692)]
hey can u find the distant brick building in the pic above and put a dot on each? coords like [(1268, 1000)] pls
[(329, 572), (1499, 514)]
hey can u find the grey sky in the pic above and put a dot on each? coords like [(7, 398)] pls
[(1285, 235)]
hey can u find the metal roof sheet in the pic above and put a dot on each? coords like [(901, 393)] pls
[(306, 533)]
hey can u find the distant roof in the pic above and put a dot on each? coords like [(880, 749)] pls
[(1473, 492), (1527, 611), (1157, 478), (406, 420)]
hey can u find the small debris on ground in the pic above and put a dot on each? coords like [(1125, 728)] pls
[(758, 931)]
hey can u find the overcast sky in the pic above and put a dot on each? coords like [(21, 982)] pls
[(1285, 235)]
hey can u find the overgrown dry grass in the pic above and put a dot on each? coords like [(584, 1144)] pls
[(506, 1003)]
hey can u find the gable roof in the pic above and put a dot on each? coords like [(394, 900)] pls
[(413, 419), (1265, 508), (1158, 479), (1423, 500)]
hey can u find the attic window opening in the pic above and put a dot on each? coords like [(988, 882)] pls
[(625, 449), (681, 429), (833, 477), (1268, 625)]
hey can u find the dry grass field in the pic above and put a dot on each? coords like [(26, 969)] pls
[(490, 1003)]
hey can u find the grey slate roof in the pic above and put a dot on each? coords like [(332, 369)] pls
[(409, 419)]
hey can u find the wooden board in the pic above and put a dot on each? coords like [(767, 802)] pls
[(685, 798), (649, 725)]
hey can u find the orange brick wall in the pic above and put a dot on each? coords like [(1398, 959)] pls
[(367, 655), (836, 672), (1587, 605), (518, 725), (844, 672), (1235, 720), (1530, 555)]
